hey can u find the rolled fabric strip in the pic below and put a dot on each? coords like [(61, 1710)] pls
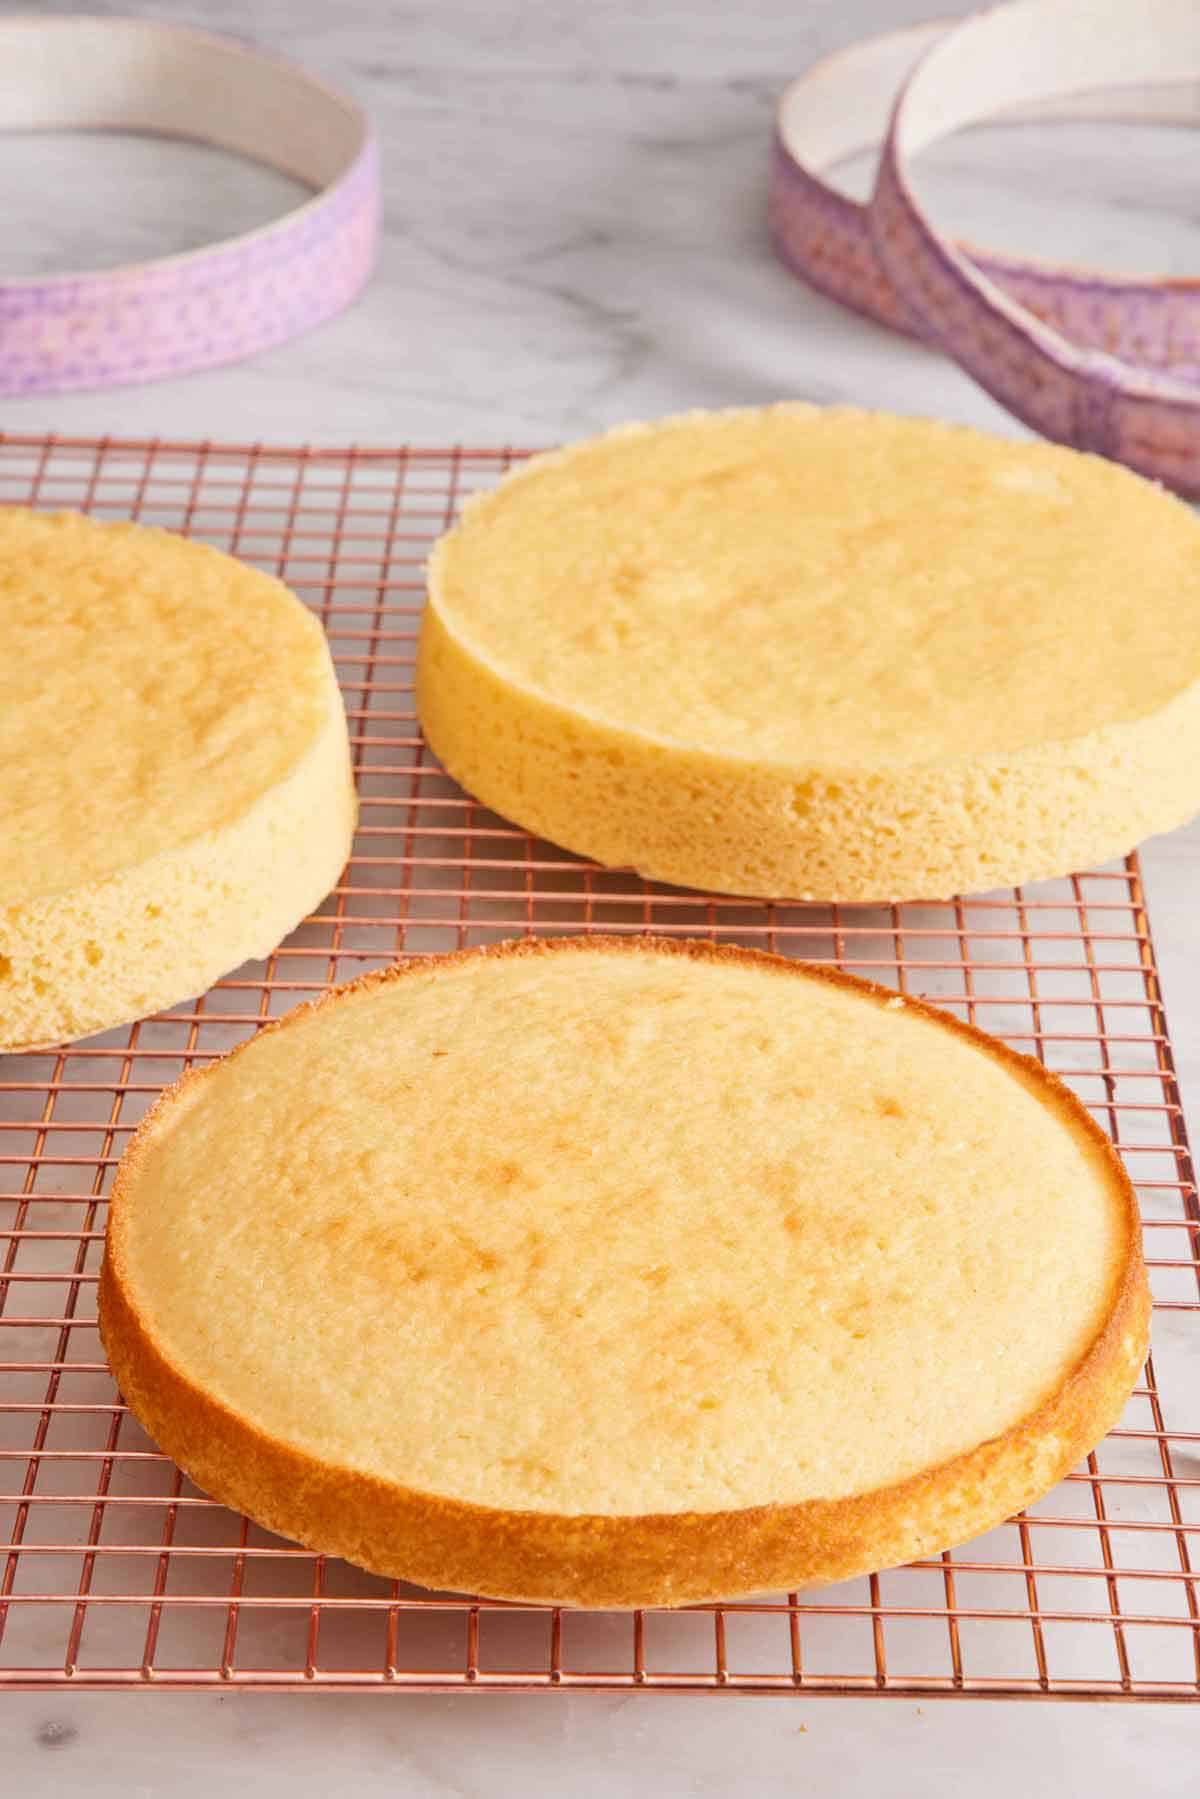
[(208, 306), (1101, 362)]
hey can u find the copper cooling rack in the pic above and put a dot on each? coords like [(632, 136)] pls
[(116, 1572)]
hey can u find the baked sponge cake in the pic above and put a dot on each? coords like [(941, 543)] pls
[(821, 654), (175, 786), (622, 1272)]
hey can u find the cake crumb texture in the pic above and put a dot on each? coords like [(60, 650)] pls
[(822, 654), (175, 785), (620, 1272)]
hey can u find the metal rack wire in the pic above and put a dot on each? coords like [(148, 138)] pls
[(116, 1572)]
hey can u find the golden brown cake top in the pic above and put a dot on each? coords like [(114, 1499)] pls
[(833, 587), (615, 1229), (150, 690)]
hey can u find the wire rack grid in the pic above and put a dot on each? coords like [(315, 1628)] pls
[(115, 1572)]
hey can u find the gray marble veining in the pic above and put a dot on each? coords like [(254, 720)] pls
[(575, 235)]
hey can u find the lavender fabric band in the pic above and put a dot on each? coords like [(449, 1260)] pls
[(208, 306), (1102, 362)]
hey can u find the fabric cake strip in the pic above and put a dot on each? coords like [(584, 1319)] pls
[(210, 306), (1102, 362)]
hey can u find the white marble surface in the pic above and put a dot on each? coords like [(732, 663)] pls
[(575, 235)]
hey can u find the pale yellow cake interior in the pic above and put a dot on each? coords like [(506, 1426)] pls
[(821, 654), (175, 783), (799, 584), (152, 690), (621, 1233)]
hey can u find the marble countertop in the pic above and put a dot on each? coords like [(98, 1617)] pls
[(575, 235)]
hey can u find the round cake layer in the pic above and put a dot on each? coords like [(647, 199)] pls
[(175, 785), (821, 654), (622, 1272)]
